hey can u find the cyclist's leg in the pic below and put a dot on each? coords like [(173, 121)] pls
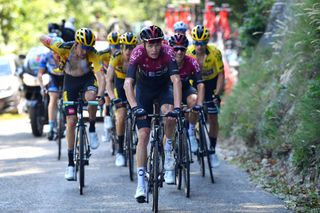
[(192, 117), (166, 102), (90, 87), (52, 108), (120, 120), (144, 100), (71, 91), (212, 115)]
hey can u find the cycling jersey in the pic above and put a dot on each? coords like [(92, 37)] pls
[(212, 64), (152, 72), (47, 63), (190, 70), (116, 62), (65, 50), (105, 56)]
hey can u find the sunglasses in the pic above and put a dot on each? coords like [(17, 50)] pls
[(117, 46), (128, 47), (182, 49), (200, 43), (84, 47)]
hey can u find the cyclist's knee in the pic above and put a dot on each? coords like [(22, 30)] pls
[(191, 100), (165, 108), (144, 134), (90, 95), (71, 121)]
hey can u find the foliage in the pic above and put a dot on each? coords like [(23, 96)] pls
[(23, 21)]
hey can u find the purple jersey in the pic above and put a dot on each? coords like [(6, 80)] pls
[(153, 72), (190, 70)]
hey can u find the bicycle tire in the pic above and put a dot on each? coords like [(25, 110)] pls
[(208, 158), (186, 163), (129, 142), (178, 160), (82, 159), (201, 151), (155, 190), (60, 120)]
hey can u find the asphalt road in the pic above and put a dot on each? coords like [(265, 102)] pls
[(32, 180)]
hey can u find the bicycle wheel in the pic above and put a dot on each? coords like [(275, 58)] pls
[(82, 159), (60, 130), (201, 152), (129, 148), (205, 145), (185, 158), (178, 153), (155, 165)]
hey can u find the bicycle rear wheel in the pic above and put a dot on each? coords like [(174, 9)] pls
[(60, 130), (208, 156), (178, 153), (201, 151), (129, 148), (82, 159)]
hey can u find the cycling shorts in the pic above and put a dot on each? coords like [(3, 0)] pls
[(72, 87), (146, 96), (56, 82), (120, 93), (187, 90), (210, 86)]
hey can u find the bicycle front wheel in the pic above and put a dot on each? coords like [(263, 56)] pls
[(201, 151), (82, 158), (60, 130), (155, 162), (185, 158)]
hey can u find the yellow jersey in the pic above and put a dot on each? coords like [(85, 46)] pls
[(64, 49), (116, 62), (212, 64), (105, 56)]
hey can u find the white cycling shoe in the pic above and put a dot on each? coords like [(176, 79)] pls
[(193, 143), (140, 195), (169, 177), (168, 161), (94, 140), (120, 161), (214, 160), (70, 173)]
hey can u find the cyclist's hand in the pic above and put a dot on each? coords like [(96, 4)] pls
[(117, 102), (100, 99), (175, 113), (138, 112), (197, 108), (216, 99)]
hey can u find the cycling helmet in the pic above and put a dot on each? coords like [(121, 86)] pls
[(128, 38), (113, 38), (151, 33), (180, 26), (200, 33), (178, 40), (85, 37)]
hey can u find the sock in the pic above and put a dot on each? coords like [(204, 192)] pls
[(52, 124), (120, 141), (140, 175), (92, 127), (107, 110), (213, 143), (70, 157), (191, 129), (168, 146)]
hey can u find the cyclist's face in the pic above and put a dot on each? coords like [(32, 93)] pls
[(126, 51), (180, 53), (81, 51), (200, 48), (153, 49)]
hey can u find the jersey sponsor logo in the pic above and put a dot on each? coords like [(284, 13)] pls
[(154, 74), (135, 55), (71, 111)]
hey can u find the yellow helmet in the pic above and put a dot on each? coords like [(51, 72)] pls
[(113, 38), (85, 37), (128, 38), (200, 33)]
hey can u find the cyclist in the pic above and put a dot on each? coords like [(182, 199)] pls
[(77, 58), (116, 74), (50, 63), (212, 70), (180, 28), (113, 39), (189, 69), (158, 78)]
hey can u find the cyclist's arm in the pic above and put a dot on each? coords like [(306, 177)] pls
[(128, 85), (198, 81), (101, 83), (109, 83), (220, 81), (177, 89), (41, 71), (52, 44), (200, 95)]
